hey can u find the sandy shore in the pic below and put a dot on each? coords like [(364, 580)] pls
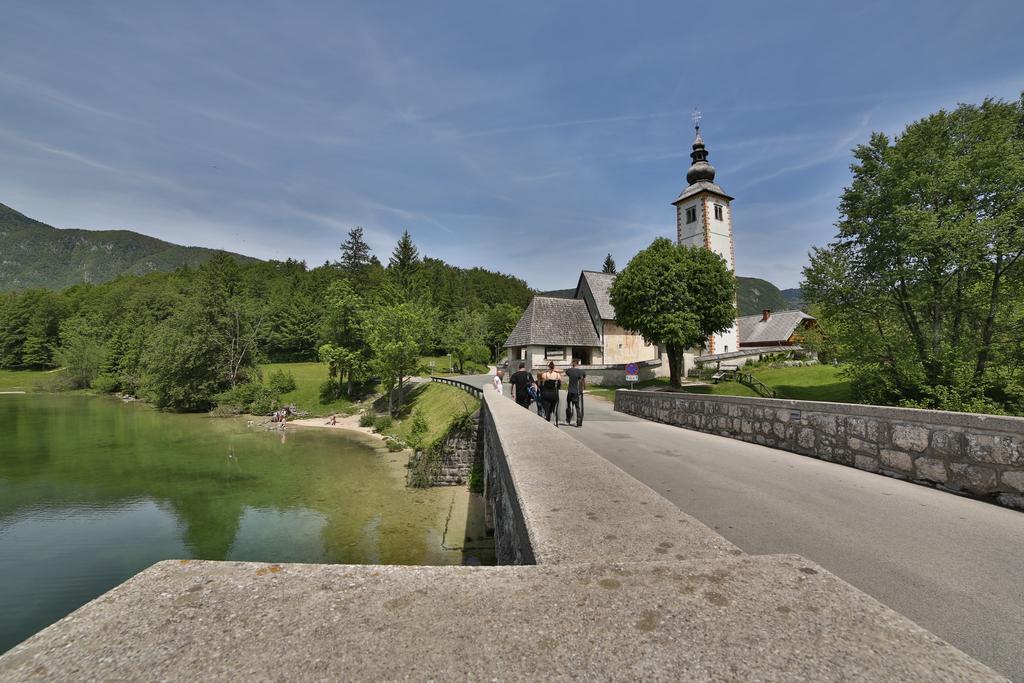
[(350, 423)]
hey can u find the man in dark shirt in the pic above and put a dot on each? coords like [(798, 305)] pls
[(521, 381), (577, 383)]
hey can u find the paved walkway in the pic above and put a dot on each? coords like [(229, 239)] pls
[(953, 565)]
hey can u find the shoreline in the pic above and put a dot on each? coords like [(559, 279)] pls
[(349, 423)]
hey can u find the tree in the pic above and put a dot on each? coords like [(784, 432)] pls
[(394, 334), (404, 264), (920, 292), (355, 252), (81, 351), (345, 350), (501, 320), (675, 295), (609, 265), (466, 336)]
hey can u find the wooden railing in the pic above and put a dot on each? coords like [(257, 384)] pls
[(465, 386)]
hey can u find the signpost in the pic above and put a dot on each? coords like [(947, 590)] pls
[(632, 373)]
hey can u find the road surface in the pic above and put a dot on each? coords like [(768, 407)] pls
[(953, 565)]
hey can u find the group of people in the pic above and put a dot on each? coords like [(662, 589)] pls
[(543, 391)]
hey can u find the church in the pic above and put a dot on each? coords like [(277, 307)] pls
[(580, 323)]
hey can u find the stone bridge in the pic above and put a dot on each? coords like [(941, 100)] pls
[(603, 578)]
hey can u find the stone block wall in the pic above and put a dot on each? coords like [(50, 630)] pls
[(979, 455), (458, 453), (503, 512)]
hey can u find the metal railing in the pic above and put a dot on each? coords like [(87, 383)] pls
[(465, 386)]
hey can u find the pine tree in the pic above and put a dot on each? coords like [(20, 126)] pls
[(609, 265), (355, 252), (404, 262)]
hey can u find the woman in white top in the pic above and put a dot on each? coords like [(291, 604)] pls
[(498, 386)]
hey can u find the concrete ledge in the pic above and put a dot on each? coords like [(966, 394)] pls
[(570, 505), (747, 618)]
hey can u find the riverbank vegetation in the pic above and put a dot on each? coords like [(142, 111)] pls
[(193, 338)]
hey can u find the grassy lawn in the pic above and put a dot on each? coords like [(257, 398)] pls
[(23, 380), (438, 403), (308, 378), (804, 383)]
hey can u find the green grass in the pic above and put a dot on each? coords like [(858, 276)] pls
[(24, 380), (438, 403), (308, 378), (804, 383)]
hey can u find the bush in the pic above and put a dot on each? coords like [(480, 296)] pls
[(281, 382), (251, 398), (331, 390), (382, 423), (394, 446), (106, 384), (419, 430), (367, 420)]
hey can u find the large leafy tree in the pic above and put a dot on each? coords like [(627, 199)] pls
[(501, 320), (922, 289), (675, 295), (466, 337), (395, 334), (345, 348)]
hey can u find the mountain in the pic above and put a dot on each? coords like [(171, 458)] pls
[(754, 295), (34, 254), (795, 297)]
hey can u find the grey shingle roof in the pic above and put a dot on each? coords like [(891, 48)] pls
[(559, 294), (549, 320), (600, 285), (700, 186), (778, 328)]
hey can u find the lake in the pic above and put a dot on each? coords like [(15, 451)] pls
[(93, 490)]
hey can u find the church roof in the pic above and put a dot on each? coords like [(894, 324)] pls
[(698, 187), (779, 327), (554, 321), (559, 294), (600, 285)]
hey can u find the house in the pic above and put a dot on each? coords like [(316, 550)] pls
[(781, 328), (559, 329)]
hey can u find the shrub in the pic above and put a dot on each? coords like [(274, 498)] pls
[(106, 384), (394, 446), (252, 398), (281, 382), (382, 423), (331, 390), (419, 430), (367, 420)]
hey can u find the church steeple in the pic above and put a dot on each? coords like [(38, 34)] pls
[(700, 169)]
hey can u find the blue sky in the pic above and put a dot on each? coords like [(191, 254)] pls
[(530, 138)]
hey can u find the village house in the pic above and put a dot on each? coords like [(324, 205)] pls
[(781, 328)]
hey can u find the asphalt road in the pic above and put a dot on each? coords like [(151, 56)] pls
[(953, 565)]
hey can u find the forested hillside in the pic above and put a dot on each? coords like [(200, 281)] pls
[(34, 254), (753, 295), (185, 337)]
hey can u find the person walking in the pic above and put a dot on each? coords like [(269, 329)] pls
[(498, 386), (574, 396), (521, 381), (550, 384)]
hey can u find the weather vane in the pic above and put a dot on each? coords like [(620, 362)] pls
[(696, 119)]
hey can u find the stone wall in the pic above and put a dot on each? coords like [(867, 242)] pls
[(459, 451), (979, 455)]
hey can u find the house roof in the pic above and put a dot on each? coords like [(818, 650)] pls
[(559, 294), (555, 321), (600, 285), (698, 187), (778, 328)]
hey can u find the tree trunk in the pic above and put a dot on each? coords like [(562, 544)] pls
[(675, 365), (989, 327)]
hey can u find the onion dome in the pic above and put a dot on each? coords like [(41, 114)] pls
[(700, 169)]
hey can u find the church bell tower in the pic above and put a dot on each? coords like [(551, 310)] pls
[(704, 219)]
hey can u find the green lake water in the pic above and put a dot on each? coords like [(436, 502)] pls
[(93, 490)]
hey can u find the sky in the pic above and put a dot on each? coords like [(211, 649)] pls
[(528, 137)]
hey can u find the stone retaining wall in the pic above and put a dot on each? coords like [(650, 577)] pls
[(458, 453), (980, 455)]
